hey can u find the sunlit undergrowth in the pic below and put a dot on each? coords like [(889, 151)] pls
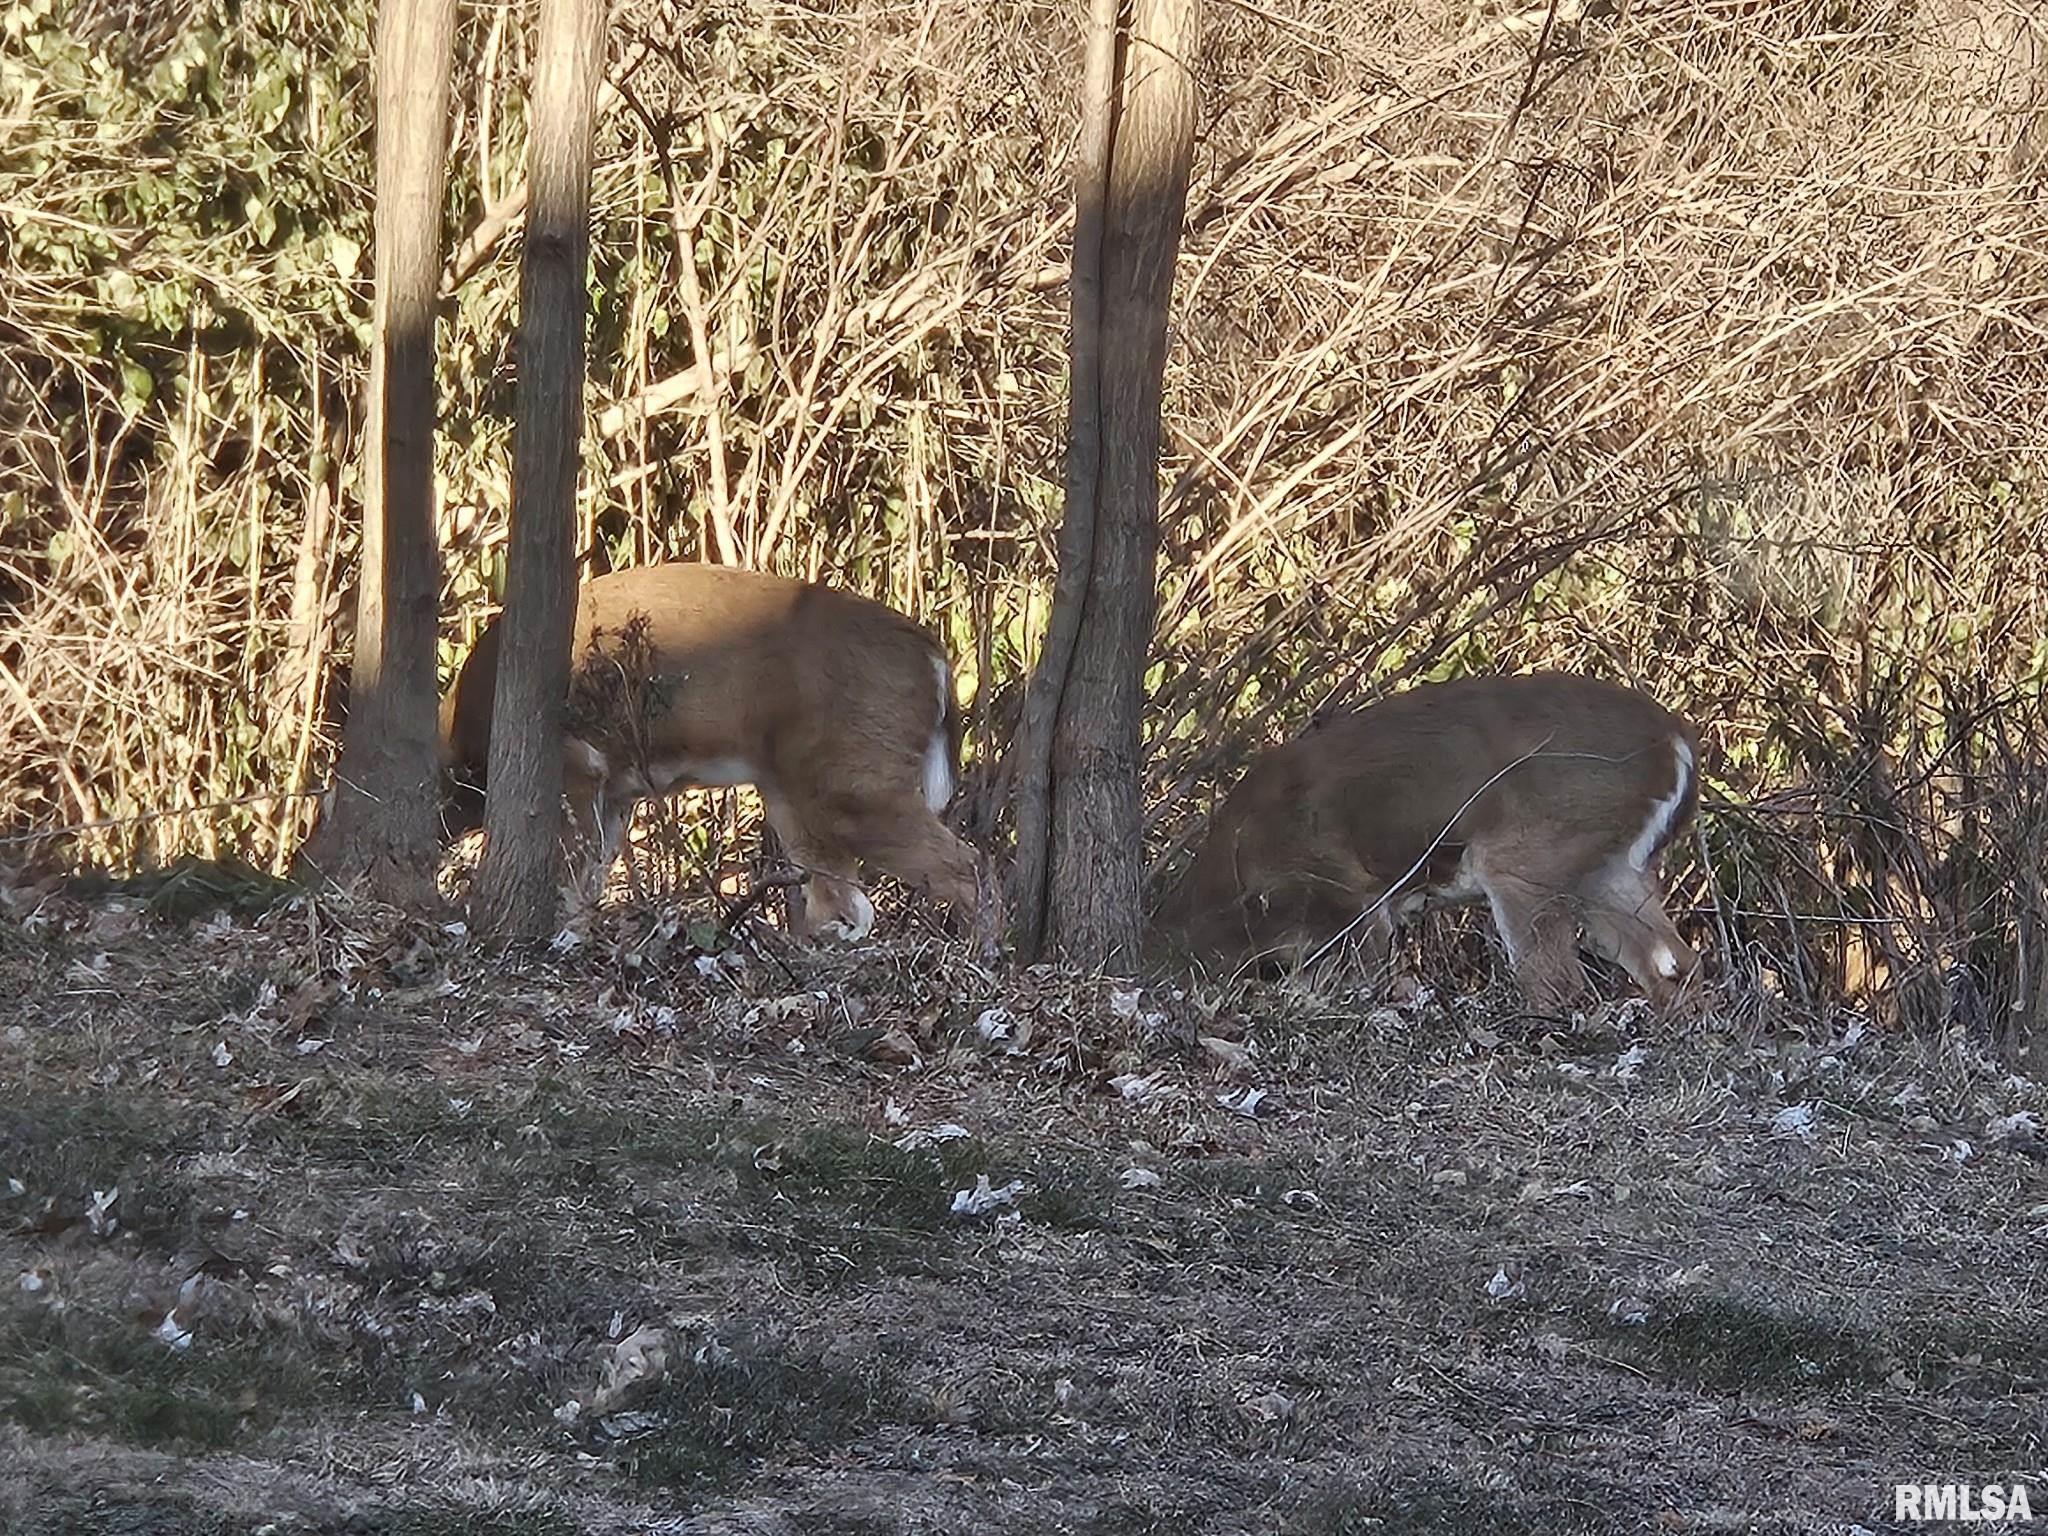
[(1691, 347)]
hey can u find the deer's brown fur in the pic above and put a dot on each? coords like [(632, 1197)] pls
[(1548, 796), (839, 710)]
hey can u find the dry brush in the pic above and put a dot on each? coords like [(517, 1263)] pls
[(1697, 344)]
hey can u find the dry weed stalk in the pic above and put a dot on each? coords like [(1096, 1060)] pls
[(1691, 344)]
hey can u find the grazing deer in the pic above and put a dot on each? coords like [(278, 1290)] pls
[(1549, 796), (838, 710)]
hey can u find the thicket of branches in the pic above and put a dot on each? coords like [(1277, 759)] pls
[(1697, 344)]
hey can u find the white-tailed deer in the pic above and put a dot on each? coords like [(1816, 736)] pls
[(838, 710), (1548, 796)]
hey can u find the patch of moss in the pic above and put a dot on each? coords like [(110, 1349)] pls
[(75, 1371), (1734, 1344), (190, 887), (722, 1410)]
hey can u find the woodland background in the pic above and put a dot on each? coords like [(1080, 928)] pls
[(1696, 343)]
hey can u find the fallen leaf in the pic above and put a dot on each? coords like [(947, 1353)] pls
[(984, 1197), (1243, 1101), (2014, 1130), (797, 1005), (1270, 1407), (910, 1141), (893, 1047), (1629, 1311), (637, 1362), (1137, 1088), (1795, 1122), (173, 1332), (1228, 1054)]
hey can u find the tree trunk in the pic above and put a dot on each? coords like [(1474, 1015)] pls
[(381, 828), (516, 885), (1033, 802), (1078, 881)]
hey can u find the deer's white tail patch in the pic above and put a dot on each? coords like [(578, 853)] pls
[(1665, 962), (1664, 814), (938, 752)]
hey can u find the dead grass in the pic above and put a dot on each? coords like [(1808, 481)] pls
[(1684, 343), (1456, 1273)]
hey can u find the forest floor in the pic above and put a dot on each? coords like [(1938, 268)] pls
[(321, 1221)]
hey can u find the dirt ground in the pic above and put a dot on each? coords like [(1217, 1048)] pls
[(323, 1222)]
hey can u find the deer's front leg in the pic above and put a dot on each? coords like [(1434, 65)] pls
[(597, 822)]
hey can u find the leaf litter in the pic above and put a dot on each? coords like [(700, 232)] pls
[(1124, 1270)]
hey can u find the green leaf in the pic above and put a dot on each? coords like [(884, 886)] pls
[(120, 291), (137, 387), (271, 99), (346, 254), (262, 218)]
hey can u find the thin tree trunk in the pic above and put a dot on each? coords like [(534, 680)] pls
[(381, 829), (1033, 792), (297, 698), (1094, 890), (516, 885)]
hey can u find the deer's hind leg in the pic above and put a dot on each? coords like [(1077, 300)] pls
[(1627, 924), (899, 834), (833, 905)]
